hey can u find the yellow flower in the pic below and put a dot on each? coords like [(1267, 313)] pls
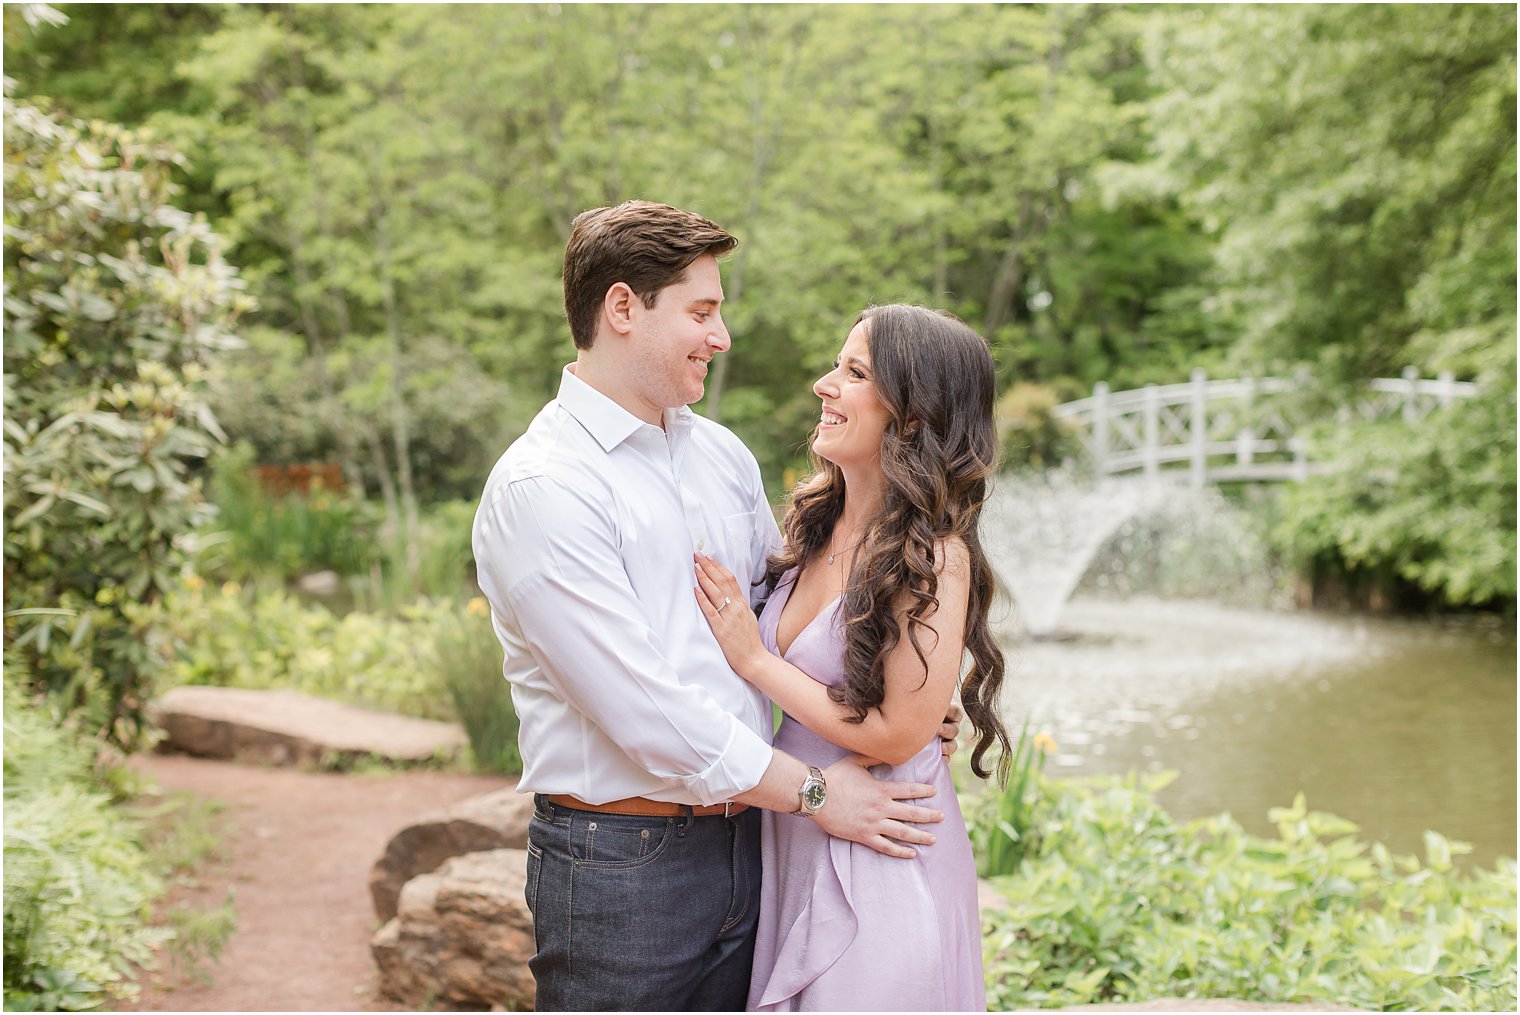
[(477, 607), (1045, 742)]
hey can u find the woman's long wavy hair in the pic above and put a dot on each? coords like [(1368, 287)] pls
[(935, 376)]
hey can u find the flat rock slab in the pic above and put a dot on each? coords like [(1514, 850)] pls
[(291, 728)]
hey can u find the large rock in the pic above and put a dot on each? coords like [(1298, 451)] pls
[(462, 936), (496, 820), (291, 728)]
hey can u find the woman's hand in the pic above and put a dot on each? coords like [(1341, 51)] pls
[(726, 607)]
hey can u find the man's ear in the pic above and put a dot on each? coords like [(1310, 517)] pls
[(618, 309)]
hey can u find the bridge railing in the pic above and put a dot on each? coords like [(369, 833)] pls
[(1225, 430)]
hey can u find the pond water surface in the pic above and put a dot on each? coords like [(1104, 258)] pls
[(1399, 725)]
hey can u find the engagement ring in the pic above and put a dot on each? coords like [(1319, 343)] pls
[(723, 604)]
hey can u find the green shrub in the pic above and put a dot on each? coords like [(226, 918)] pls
[(1430, 504), (117, 305), (1028, 431), (256, 536), (79, 885), (1004, 827), (439, 567), (435, 659), (469, 658), (255, 533), (230, 637), (1119, 903)]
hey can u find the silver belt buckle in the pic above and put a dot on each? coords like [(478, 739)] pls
[(728, 806)]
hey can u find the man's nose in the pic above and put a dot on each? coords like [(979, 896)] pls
[(719, 338)]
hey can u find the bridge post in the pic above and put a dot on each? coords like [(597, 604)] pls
[(1245, 440), (1300, 450), (1199, 429), (1411, 407), (1100, 431), (1152, 410), (1448, 386)]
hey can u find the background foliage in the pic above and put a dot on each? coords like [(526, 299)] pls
[(1115, 902), (79, 885), (116, 305), (1107, 192)]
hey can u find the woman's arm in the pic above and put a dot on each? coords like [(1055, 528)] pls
[(913, 706)]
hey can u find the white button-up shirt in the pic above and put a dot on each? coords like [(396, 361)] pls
[(583, 546)]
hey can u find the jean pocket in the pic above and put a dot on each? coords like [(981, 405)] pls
[(530, 885), (618, 840)]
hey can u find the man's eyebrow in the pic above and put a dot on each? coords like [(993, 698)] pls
[(705, 300)]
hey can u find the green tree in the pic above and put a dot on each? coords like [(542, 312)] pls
[(1357, 165), (353, 202)]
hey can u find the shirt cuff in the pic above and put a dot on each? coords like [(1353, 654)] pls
[(738, 769)]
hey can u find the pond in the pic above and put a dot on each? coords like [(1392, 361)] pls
[(1397, 724)]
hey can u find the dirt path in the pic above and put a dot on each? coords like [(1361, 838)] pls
[(299, 850)]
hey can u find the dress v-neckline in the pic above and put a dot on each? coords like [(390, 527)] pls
[(776, 634)]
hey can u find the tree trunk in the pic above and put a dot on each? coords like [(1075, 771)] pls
[(383, 471), (401, 432), (1009, 278), (348, 450), (762, 147), (348, 458)]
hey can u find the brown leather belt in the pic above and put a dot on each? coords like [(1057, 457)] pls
[(641, 807)]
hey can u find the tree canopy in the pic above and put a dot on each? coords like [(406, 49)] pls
[(1107, 192)]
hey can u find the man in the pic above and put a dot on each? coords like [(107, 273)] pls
[(647, 755)]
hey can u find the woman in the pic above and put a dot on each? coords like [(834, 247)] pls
[(881, 588)]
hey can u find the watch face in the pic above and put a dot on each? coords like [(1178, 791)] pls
[(813, 795)]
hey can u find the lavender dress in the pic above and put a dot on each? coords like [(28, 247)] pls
[(842, 927)]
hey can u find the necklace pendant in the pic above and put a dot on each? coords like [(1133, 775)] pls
[(831, 560)]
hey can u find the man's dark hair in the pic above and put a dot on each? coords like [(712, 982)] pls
[(645, 245)]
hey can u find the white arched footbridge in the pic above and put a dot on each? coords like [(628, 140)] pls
[(1207, 431)]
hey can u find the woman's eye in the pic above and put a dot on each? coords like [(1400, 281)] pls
[(856, 372)]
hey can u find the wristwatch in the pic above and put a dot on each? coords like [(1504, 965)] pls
[(812, 795)]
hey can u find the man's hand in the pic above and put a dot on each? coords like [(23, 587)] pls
[(874, 813), (951, 729)]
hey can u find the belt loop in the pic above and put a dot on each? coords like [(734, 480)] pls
[(691, 817)]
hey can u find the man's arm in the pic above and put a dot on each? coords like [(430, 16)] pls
[(860, 807), (550, 552)]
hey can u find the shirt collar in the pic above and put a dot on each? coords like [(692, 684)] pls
[(606, 421)]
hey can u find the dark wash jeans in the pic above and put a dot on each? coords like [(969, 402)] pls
[(642, 914)]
